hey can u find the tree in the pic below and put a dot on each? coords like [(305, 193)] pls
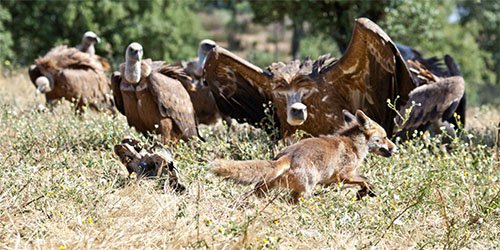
[(333, 18), (483, 17), (168, 30), (427, 26)]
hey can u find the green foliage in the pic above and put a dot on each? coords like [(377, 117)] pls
[(315, 46), (5, 38), (167, 30), (483, 17), (332, 18), (425, 25), (414, 22)]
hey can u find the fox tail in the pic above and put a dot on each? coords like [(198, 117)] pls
[(250, 172)]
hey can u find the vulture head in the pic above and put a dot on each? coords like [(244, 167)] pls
[(134, 53), (133, 57), (88, 41), (90, 38), (44, 84), (291, 87), (203, 49)]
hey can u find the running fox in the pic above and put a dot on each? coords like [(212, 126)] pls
[(322, 160)]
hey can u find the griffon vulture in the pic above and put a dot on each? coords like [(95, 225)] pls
[(311, 95), (152, 97), (89, 39), (73, 75), (435, 99), (202, 98)]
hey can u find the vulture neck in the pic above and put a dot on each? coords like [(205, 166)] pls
[(133, 71), (87, 48)]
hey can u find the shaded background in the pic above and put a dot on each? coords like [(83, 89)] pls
[(260, 31)]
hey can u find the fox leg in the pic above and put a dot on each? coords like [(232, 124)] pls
[(366, 187), (262, 188), (302, 188)]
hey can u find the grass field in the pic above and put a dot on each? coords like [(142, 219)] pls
[(62, 187)]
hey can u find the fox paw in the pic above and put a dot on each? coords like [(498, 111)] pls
[(364, 192)]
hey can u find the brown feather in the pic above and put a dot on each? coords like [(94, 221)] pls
[(240, 88), (431, 101), (202, 98)]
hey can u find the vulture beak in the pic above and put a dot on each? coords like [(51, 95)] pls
[(296, 110), (204, 48), (297, 114)]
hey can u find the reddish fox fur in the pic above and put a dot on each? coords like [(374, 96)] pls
[(323, 160)]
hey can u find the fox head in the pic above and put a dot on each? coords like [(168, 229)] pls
[(378, 142)]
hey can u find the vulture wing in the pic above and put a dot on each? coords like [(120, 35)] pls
[(92, 86), (104, 62), (116, 79), (433, 101), (370, 72), (240, 88), (62, 57), (173, 100)]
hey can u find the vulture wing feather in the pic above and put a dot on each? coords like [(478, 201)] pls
[(173, 101), (240, 88), (116, 79), (371, 71), (433, 101)]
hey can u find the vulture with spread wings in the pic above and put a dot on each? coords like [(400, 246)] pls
[(311, 95), (73, 75), (440, 93), (152, 97)]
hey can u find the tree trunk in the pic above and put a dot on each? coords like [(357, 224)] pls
[(298, 33)]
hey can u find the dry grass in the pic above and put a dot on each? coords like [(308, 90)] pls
[(62, 187)]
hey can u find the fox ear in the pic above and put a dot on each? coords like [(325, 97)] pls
[(348, 117), (363, 120)]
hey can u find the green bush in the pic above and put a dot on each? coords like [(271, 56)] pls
[(168, 30)]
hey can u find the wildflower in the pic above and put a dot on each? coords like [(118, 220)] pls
[(62, 247)]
